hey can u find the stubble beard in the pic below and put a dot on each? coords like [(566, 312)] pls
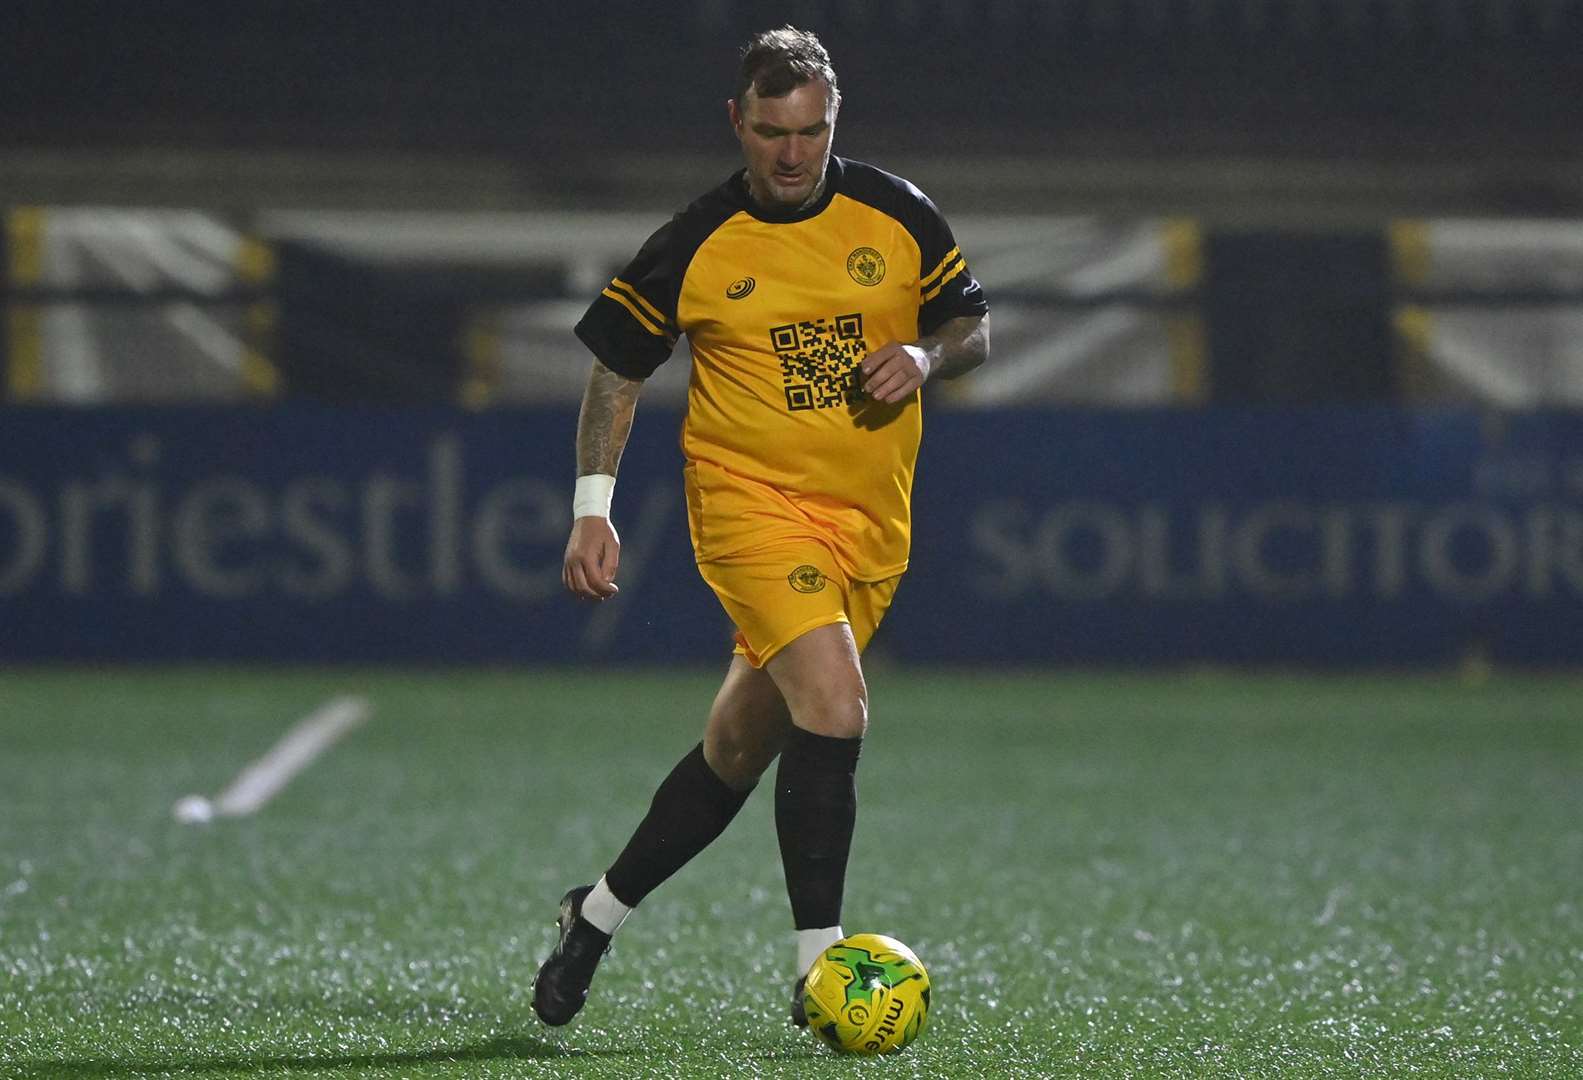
[(818, 190), (812, 197)]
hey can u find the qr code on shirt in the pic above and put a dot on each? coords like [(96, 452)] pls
[(819, 359)]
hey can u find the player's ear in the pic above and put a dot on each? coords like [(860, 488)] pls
[(734, 115)]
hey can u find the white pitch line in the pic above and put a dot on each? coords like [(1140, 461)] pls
[(262, 780), (1332, 901), (308, 738)]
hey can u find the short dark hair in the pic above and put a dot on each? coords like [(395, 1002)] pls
[(776, 62)]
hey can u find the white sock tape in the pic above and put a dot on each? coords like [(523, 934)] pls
[(593, 495)]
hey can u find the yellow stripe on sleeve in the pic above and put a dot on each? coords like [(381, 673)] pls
[(961, 265), (928, 281), (622, 286), (642, 317)]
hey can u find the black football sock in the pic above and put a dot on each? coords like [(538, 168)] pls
[(815, 811), (690, 809)]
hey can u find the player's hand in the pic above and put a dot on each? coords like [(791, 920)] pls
[(893, 372), (593, 553)]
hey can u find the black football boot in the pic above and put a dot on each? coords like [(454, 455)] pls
[(561, 986), (799, 1013)]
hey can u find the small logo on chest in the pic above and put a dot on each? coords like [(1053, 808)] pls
[(866, 266), (740, 288)]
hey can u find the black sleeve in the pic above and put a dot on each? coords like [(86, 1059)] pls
[(947, 289), (631, 325)]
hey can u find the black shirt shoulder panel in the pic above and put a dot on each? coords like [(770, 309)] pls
[(891, 195), (631, 326)]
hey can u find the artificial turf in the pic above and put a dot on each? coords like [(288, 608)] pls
[(1107, 875)]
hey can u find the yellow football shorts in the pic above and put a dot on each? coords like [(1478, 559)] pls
[(776, 595)]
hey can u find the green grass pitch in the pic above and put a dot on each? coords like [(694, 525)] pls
[(1108, 876)]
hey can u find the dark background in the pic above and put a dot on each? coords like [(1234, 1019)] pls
[(1480, 96)]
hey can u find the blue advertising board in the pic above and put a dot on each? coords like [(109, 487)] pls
[(296, 533), (1315, 536)]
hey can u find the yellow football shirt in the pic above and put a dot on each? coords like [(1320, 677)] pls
[(778, 310)]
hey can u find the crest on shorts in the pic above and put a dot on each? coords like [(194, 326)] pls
[(806, 579), (866, 266), (740, 288)]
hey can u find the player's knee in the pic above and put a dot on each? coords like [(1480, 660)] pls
[(839, 710), (739, 753), (738, 766), (822, 682)]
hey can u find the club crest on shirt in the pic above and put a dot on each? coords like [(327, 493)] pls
[(866, 266), (740, 288), (806, 579)]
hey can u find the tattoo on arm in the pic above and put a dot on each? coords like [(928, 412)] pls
[(958, 346), (605, 420)]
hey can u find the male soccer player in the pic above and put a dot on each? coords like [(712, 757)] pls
[(817, 295)]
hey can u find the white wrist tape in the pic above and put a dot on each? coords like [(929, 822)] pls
[(593, 495)]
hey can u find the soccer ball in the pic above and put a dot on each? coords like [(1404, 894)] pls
[(867, 994)]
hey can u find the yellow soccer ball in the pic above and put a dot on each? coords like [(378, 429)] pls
[(867, 994)]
